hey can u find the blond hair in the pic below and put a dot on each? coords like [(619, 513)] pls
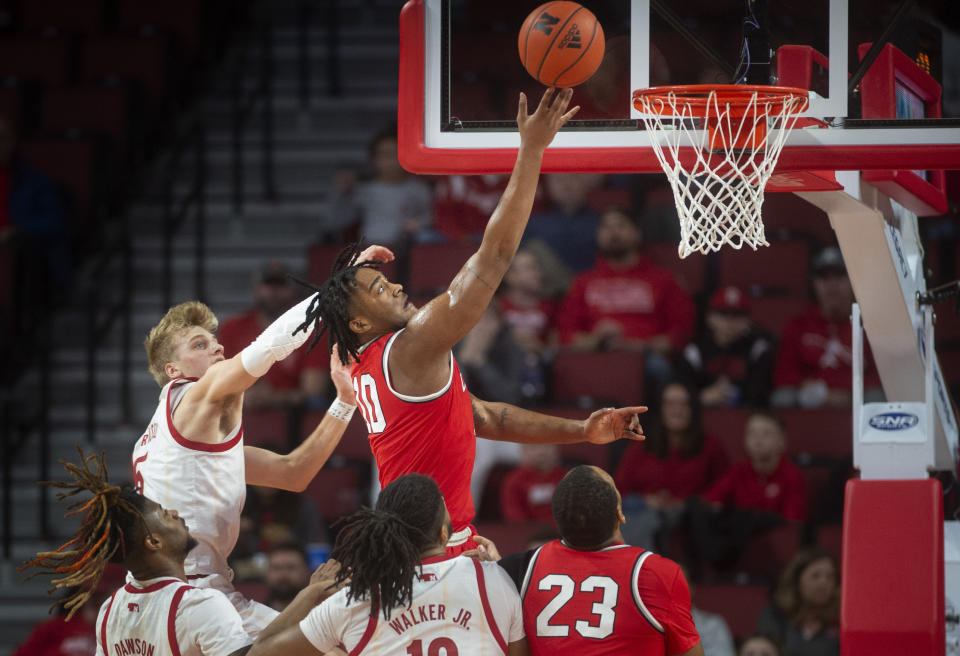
[(161, 343)]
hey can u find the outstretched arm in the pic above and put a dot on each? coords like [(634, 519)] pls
[(279, 340), (295, 470), (448, 317), (508, 423)]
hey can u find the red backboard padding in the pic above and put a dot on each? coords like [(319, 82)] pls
[(892, 600)]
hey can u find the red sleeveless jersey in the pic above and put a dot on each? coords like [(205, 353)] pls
[(618, 600), (432, 435)]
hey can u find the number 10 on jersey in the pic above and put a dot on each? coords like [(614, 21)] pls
[(368, 399)]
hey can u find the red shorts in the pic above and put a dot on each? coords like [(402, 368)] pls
[(462, 540)]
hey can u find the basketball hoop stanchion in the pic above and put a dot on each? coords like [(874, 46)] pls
[(719, 145)]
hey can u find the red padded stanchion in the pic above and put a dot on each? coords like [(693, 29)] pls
[(892, 601)]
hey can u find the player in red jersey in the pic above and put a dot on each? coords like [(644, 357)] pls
[(418, 412), (588, 593)]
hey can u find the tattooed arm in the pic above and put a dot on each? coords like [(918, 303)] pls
[(508, 423)]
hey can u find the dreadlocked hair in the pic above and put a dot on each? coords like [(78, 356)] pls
[(330, 307), (111, 521), (379, 550)]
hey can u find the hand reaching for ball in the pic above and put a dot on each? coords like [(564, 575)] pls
[(538, 129)]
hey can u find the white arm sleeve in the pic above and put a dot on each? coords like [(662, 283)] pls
[(207, 619), (504, 601), (277, 341)]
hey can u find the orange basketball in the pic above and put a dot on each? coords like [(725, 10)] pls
[(561, 43)]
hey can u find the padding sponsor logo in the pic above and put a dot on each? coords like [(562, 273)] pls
[(891, 421)]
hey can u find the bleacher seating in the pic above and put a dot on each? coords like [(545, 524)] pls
[(335, 490), (740, 605), (774, 312), (597, 378), (433, 266), (11, 104), (767, 553), (90, 108), (144, 59), (35, 58), (184, 18), (690, 272), (74, 163), (353, 445), (780, 268), (85, 17)]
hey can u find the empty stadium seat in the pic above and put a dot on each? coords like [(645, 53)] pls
[(690, 272), (433, 266), (353, 445), (597, 378), (779, 268), (182, 17), (774, 312), (78, 16), (71, 162), (825, 432), (145, 59), (788, 217), (100, 109), (35, 58), (727, 426), (830, 539), (11, 104), (509, 537), (266, 428), (740, 605), (767, 553), (335, 491)]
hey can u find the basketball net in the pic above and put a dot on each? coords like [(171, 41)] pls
[(719, 146)]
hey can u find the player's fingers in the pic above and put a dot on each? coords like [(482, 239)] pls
[(472, 553), (635, 437), (632, 410), (545, 99), (522, 106), (569, 115)]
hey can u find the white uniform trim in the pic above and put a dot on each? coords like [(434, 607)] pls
[(405, 397), (636, 592), (459, 537), (526, 577)]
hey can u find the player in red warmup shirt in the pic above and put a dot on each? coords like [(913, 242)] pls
[(588, 593), (418, 412)]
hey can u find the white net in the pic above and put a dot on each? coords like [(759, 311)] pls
[(729, 152)]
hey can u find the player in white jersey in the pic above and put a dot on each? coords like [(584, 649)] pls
[(404, 595), (192, 455), (156, 613)]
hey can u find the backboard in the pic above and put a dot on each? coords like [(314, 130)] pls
[(460, 77)]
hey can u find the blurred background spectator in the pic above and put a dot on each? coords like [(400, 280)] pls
[(568, 225), (525, 306), (751, 496), (462, 204), (731, 363), (288, 572), (805, 611), (625, 302), (34, 234), (528, 490), (271, 517), (814, 365), (61, 637), (714, 631), (676, 461), (303, 377), (492, 363), (760, 645), (392, 207)]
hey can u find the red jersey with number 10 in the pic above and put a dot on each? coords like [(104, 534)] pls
[(432, 435), (617, 600)]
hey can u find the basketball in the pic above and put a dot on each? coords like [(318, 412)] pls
[(561, 44)]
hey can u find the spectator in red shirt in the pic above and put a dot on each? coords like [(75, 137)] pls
[(766, 481), (302, 377), (77, 636), (528, 489), (462, 204), (814, 365), (731, 364), (676, 461), (625, 302), (752, 496)]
